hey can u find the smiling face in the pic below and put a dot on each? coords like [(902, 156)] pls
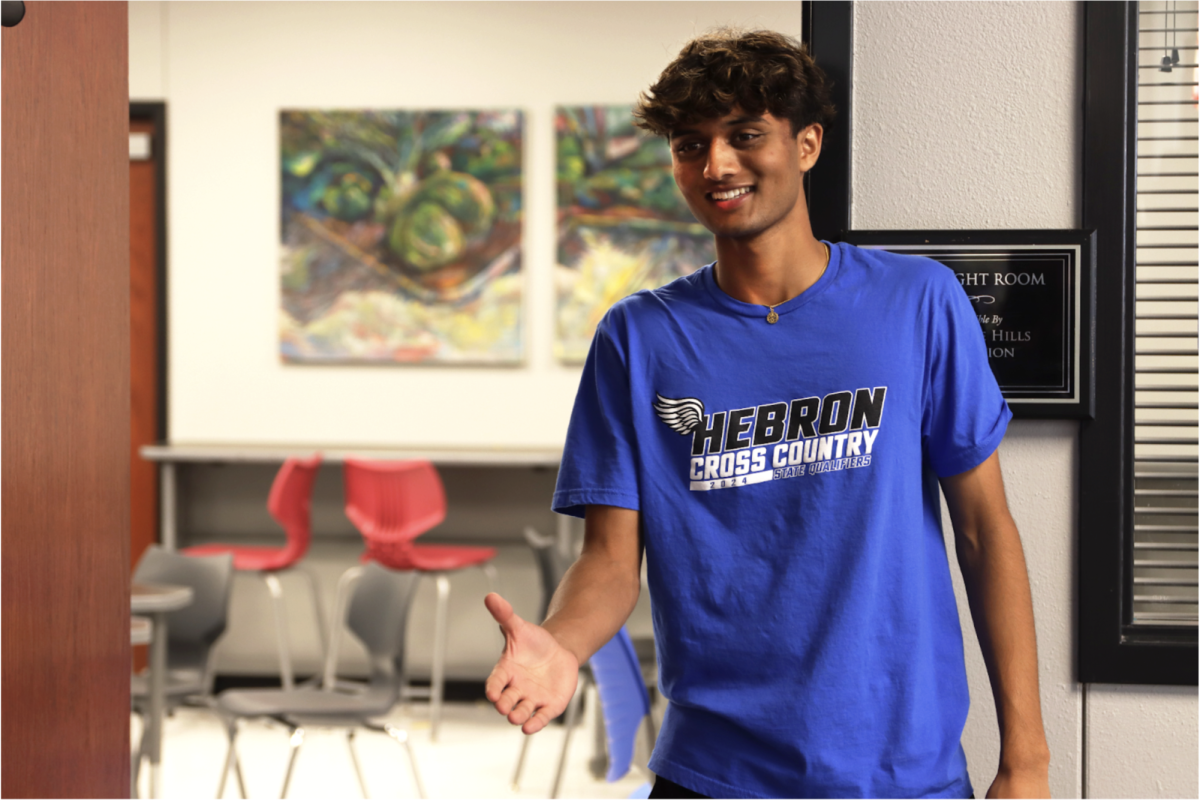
[(741, 174)]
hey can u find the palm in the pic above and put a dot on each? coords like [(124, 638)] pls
[(535, 677)]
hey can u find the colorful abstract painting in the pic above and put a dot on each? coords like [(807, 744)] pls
[(622, 224), (401, 236)]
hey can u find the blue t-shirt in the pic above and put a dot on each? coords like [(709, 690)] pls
[(808, 639)]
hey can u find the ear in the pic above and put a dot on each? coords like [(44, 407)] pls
[(808, 146)]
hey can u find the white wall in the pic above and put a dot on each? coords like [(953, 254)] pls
[(227, 69), (1141, 742), (966, 115), (147, 66)]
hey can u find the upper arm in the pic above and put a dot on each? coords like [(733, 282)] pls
[(600, 457), (976, 501), (965, 415)]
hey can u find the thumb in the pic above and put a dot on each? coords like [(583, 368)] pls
[(502, 612)]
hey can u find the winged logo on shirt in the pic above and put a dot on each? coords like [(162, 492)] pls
[(681, 414)]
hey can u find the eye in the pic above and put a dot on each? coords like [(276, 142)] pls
[(687, 147), (745, 137)]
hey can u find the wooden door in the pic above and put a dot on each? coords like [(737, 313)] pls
[(64, 321)]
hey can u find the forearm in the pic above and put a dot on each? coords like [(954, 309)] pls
[(993, 568), (994, 572), (593, 601)]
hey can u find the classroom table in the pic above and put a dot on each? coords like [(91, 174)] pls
[(168, 455)]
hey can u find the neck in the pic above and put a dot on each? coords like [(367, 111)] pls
[(773, 266)]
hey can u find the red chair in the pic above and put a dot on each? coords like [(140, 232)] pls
[(290, 504), (393, 503)]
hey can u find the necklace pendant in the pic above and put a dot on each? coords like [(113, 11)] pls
[(772, 317)]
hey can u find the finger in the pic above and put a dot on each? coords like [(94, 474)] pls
[(495, 684), (503, 612), (521, 712), (539, 721), (508, 700)]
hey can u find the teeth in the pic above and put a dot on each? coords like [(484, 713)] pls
[(732, 193)]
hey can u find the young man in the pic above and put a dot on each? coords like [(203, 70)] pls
[(772, 430)]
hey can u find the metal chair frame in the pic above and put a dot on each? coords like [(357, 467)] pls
[(279, 613), (586, 681), (298, 530), (346, 719), (441, 578), (159, 565)]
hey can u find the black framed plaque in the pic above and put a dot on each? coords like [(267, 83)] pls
[(1032, 293)]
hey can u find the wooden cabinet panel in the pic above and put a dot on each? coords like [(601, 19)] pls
[(64, 290)]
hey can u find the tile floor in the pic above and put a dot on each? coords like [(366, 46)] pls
[(473, 758)]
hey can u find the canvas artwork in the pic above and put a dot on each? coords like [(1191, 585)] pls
[(622, 224), (401, 236)]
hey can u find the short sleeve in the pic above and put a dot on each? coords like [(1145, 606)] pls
[(599, 462), (965, 414)]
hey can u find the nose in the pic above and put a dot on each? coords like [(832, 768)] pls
[(721, 161)]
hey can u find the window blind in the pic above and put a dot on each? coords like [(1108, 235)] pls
[(1164, 575)]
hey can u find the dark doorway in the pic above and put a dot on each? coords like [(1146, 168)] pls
[(147, 315)]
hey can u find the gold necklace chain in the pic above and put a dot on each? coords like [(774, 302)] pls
[(772, 315)]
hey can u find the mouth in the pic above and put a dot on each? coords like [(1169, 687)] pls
[(730, 198)]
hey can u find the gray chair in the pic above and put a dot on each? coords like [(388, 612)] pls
[(191, 632), (553, 560), (372, 603)]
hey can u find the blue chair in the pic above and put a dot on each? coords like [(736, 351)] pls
[(624, 703)]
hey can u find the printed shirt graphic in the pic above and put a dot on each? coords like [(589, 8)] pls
[(745, 461), (807, 634)]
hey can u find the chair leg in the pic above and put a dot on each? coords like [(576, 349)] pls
[(516, 779), (318, 609), (230, 759), (237, 773), (285, 656), (341, 606), (598, 764), (401, 737), (402, 683), (362, 784), (493, 577), (297, 740), (135, 767), (437, 683), (494, 585), (572, 713)]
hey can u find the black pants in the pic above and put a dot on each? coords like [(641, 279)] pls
[(665, 788)]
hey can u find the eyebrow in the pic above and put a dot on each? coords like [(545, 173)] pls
[(734, 122)]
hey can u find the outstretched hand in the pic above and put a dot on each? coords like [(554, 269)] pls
[(535, 677)]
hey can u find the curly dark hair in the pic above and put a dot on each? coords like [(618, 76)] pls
[(755, 70)]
